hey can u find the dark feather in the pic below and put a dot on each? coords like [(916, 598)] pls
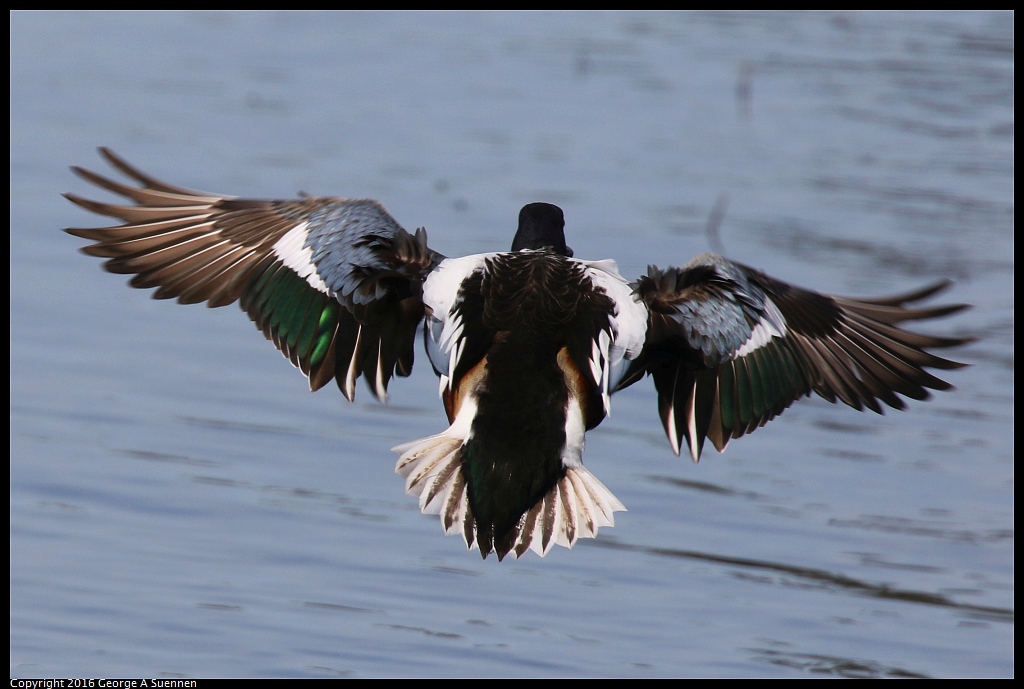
[(730, 348), (198, 247)]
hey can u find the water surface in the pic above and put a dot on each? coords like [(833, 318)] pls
[(181, 505)]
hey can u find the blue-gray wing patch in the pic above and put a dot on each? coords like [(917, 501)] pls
[(335, 283), (730, 348)]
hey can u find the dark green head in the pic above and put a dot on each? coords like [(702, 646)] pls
[(541, 225)]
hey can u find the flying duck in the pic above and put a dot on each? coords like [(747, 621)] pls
[(528, 344)]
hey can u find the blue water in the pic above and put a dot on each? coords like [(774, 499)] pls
[(182, 506)]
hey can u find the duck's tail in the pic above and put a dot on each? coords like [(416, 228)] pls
[(575, 507)]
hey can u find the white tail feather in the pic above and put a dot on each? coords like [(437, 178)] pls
[(576, 507), (432, 471)]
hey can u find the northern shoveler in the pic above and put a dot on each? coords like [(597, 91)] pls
[(528, 344)]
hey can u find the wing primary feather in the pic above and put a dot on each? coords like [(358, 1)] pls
[(279, 260), (730, 348)]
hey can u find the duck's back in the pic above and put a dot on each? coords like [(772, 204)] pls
[(523, 343)]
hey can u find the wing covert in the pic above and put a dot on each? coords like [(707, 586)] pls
[(730, 348), (335, 283)]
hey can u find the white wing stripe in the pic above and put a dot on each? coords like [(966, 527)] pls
[(772, 324), (293, 252)]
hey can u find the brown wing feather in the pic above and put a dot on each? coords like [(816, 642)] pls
[(199, 247), (730, 348)]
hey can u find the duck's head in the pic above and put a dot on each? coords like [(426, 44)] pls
[(541, 225)]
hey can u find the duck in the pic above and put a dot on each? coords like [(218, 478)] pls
[(528, 345)]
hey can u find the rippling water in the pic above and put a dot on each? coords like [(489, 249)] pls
[(182, 506)]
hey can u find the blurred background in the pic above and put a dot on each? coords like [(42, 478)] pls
[(182, 506)]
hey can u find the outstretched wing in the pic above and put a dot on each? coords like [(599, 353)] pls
[(730, 348), (335, 283)]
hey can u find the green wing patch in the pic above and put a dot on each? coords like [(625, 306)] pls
[(301, 320)]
